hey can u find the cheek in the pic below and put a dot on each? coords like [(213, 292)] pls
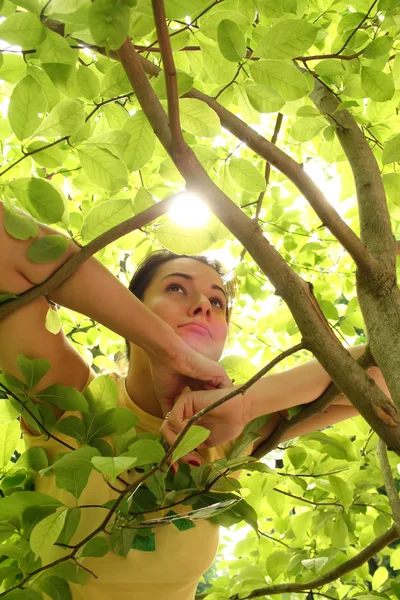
[(221, 331), (163, 308)]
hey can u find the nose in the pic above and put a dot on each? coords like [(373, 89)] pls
[(201, 306)]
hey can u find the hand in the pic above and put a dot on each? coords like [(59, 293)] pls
[(186, 368), (226, 422)]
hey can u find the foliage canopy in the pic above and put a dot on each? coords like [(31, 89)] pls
[(81, 152)]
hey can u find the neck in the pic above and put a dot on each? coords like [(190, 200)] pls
[(139, 383)]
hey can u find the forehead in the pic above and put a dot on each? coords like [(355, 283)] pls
[(189, 266)]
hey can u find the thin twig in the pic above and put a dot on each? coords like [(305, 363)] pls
[(38, 423), (390, 484), (309, 411), (274, 138)]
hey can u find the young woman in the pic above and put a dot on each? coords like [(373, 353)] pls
[(175, 319)]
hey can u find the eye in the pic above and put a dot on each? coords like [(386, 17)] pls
[(175, 287), (218, 303)]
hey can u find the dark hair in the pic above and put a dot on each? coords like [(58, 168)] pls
[(148, 267)]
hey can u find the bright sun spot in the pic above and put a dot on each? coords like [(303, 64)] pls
[(189, 211)]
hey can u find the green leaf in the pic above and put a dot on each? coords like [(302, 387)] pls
[(65, 398), (288, 39), (48, 157), (315, 565), (24, 594), (97, 546), (33, 370), (19, 225), (185, 84), (377, 85), (143, 200), (115, 83), (246, 175), (70, 525), (198, 118), (9, 437), (8, 411), (231, 40), (238, 368), (67, 6), (55, 587), (47, 249), (34, 459), (55, 49), (102, 394), (144, 544), (72, 426), (103, 168), (297, 455), (183, 240), (180, 523), (263, 98), (13, 506), (65, 118), (142, 141), (220, 70), (121, 541), (72, 471), (104, 216), (109, 23), (146, 452), (178, 9), (49, 90), (115, 142), (193, 438), (378, 47), (306, 128), (391, 151), (39, 197), (26, 103), (22, 29), (88, 82), (53, 321), (342, 490), (46, 532), (69, 571), (113, 465), (29, 5), (283, 77)]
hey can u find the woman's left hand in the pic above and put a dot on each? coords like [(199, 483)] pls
[(225, 422)]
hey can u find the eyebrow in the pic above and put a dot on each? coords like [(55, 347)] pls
[(190, 278)]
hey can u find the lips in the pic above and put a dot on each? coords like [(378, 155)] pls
[(200, 327)]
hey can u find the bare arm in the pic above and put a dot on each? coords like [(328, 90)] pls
[(95, 292)]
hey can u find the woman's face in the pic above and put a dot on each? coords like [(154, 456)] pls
[(190, 297)]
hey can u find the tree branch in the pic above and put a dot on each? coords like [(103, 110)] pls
[(311, 410), (362, 557), (281, 161), (170, 74), (59, 276), (274, 138), (377, 289), (361, 390)]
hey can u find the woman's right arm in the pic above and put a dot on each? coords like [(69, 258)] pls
[(95, 292)]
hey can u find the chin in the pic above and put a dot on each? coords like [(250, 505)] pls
[(202, 346)]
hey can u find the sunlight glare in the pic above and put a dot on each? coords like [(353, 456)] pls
[(189, 211)]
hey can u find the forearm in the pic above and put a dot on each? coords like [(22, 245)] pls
[(300, 385), (91, 290)]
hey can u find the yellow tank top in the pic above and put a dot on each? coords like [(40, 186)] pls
[(171, 572)]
